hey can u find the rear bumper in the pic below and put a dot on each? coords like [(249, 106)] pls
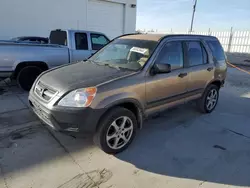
[(65, 119)]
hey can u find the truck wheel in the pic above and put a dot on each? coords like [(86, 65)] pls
[(116, 130), (27, 76), (209, 99)]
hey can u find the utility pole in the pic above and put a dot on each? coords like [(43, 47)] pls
[(230, 40), (192, 21)]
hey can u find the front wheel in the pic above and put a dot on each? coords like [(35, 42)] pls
[(209, 99), (116, 130)]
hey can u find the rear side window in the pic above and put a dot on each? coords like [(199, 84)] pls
[(195, 53), (217, 50), (81, 40), (98, 41)]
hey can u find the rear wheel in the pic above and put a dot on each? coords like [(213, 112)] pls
[(116, 130), (209, 100), (27, 76)]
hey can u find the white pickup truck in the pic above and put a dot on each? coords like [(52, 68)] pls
[(25, 61)]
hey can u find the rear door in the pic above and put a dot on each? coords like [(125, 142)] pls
[(81, 46), (199, 69)]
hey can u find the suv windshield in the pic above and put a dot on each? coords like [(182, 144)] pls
[(130, 54)]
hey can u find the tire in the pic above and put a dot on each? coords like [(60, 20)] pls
[(27, 76), (202, 103), (106, 129)]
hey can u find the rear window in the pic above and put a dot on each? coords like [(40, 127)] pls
[(217, 50), (58, 37)]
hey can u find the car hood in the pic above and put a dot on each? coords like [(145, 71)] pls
[(80, 75)]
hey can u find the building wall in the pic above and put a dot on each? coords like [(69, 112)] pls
[(38, 17)]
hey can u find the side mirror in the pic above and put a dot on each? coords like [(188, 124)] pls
[(160, 68)]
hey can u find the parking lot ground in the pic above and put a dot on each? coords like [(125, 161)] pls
[(177, 148)]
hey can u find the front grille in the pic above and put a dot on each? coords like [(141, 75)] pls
[(44, 92)]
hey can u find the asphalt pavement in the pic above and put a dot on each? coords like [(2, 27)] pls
[(179, 148)]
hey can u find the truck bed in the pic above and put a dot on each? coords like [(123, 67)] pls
[(13, 53)]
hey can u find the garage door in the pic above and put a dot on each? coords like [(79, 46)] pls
[(106, 17)]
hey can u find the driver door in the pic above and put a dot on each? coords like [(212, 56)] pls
[(167, 89)]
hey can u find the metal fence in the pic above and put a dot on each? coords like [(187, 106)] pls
[(232, 41)]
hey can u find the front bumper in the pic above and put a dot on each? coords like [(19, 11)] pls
[(66, 119)]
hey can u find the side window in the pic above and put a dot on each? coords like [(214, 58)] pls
[(194, 53), (81, 41), (217, 50), (98, 41), (172, 54)]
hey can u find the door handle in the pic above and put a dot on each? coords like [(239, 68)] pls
[(181, 75), (210, 69)]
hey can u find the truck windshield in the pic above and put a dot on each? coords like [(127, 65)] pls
[(130, 54)]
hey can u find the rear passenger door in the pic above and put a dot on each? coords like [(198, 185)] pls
[(200, 70), (82, 50)]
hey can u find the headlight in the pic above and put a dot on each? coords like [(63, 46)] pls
[(79, 98)]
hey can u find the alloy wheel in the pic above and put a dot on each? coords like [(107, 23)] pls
[(119, 132), (212, 98)]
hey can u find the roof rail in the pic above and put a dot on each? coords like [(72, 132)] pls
[(127, 35), (191, 35)]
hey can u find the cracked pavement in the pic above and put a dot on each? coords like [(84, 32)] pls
[(178, 148)]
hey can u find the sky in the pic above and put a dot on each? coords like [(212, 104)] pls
[(219, 15)]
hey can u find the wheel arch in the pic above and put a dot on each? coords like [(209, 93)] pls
[(23, 64), (131, 104), (218, 83)]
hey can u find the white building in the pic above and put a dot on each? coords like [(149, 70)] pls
[(38, 17)]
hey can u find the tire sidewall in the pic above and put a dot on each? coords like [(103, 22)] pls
[(105, 124), (205, 98), (23, 74)]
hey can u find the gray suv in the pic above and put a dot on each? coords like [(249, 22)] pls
[(129, 79)]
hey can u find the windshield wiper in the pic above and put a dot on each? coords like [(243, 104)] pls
[(112, 66), (108, 65), (91, 61)]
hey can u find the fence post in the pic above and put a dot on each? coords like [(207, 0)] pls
[(209, 31), (230, 40)]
